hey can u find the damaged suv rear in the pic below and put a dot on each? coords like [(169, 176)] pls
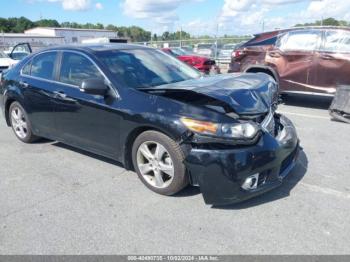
[(157, 115)]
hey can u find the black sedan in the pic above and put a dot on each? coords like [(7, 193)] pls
[(156, 115)]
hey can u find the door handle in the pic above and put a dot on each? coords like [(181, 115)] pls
[(60, 94), (327, 57), (63, 96), (24, 84)]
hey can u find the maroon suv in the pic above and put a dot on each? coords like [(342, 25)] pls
[(301, 60)]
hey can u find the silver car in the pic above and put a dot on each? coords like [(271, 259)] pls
[(226, 51)]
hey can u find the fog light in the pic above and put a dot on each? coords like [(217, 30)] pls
[(251, 182)]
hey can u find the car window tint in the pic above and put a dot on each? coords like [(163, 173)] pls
[(26, 68), (76, 68), (268, 41), (337, 41), (19, 55), (300, 40), (142, 68), (43, 65)]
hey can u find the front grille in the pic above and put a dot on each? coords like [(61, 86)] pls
[(263, 177)]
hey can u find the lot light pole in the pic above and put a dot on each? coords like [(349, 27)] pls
[(180, 36), (216, 40), (263, 25)]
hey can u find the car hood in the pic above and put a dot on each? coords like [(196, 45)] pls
[(245, 94)]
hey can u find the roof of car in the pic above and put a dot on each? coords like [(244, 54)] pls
[(303, 27), (98, 47)]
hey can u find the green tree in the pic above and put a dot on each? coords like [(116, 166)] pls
[(330, 21), (166, 36), (19, 25), (4, 25), (112, 28), (47, 23)]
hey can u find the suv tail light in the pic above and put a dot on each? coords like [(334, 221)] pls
[(237, 53)]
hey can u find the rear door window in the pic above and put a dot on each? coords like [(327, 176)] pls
[(26, 69), (337, 41), (304, 40), (43, 65), (75, 68)]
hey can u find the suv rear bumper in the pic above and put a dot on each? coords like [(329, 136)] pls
[(234, 67)]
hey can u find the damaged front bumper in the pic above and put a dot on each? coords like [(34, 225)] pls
[(220, 172)]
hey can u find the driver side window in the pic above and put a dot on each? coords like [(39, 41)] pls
[(76, 68)]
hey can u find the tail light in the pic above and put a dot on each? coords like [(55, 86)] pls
[(237, 53)]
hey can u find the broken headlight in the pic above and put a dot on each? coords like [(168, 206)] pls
[(245, 130)]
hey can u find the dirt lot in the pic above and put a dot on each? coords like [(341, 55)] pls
[(59, 200)]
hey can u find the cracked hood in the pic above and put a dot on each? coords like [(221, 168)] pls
[(246, 94)]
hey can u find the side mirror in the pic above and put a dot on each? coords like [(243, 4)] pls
[(94, 86)]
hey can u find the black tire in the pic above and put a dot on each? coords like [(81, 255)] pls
[(180, 178), (29, 137)]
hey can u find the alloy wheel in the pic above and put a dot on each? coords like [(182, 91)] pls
[(155, 164), (19, 122)]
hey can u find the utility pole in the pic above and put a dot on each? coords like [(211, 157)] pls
[(263, 25), (180, 36), (216, 40), (3, 38)]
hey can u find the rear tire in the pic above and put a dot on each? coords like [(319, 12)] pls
[(20, 123), (158, 161)]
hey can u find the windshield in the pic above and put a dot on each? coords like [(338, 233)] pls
[(3, 55), (19, 55), (143, 68)]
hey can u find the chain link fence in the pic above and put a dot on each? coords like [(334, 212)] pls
[(195, 41), (218, 49)]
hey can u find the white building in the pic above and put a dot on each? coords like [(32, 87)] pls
[(72, 35), (36, 41)]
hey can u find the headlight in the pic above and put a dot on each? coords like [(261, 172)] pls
[(242, 131), (201, 127), (246, 130)]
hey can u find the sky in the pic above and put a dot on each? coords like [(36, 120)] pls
[(197, 17)]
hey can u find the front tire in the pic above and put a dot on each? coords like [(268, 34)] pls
[(158, 161), (20, 123)]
